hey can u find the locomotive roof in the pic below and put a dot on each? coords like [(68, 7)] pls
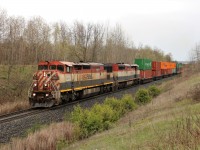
[(67, 63), (123, 64), (81, 63), (92, 64), (134, 65)]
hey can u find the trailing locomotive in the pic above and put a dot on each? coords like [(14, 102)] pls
[(58, 82)]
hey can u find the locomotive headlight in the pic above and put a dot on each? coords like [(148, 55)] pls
[(35, 84), (34, 94), (47, 95), (45, 84)]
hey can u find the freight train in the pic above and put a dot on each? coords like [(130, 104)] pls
[(57, 82)]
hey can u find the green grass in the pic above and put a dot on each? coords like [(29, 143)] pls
[(141, 134)]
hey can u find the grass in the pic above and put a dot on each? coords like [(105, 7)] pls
[(55, 136), (14, 84), (170, 122), (9, 107)]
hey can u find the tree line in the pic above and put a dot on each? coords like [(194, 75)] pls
[(29, 41)]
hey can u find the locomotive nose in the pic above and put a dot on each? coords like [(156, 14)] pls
[(44, 80)]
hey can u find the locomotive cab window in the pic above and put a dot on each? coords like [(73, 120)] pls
[(108, 68), (60, 68), (68, 69), (86, 66), (121, 67), (52, 67), (77, 67), (42, 67)]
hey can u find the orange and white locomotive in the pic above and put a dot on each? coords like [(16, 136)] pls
[(58, 82)]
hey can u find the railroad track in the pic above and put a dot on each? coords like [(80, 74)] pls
[(19, 115), (28, 112), (33, 111)]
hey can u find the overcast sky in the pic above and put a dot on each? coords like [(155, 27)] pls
[(171, 25)]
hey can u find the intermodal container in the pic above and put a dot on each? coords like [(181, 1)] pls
[(145, 74), (164, 72), (167, 65), (169, 71), (164, 65), (156, 65), (144, 64), (179, 65), (156, 73), (173, 65)]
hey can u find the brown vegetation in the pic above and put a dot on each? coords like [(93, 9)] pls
[(53, 137), (9, 107), (14, 84)]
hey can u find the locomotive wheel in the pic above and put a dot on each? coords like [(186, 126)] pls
[(65, 98)]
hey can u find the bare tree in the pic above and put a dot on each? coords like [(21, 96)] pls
[(81, 38), (97, 42), (37, 34), (3, 34), (27, 42)]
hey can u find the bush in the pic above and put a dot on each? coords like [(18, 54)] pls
[(142, 96), (77, 115), (101, 116), (116, 105), (154, 91), (107, 113), (88, 121), (128, 103), (94, 122)]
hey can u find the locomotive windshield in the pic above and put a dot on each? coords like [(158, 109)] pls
[(60, 68), (52, 67), (42, 67)]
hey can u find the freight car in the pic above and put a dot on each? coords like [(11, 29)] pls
[(58, 82)]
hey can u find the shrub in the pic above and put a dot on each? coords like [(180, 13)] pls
[(154, 91), (142, 96), (93, 123), (128, 103), (101, 116), (107, 113), (116, 105), (77, 115), (89, 122)]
